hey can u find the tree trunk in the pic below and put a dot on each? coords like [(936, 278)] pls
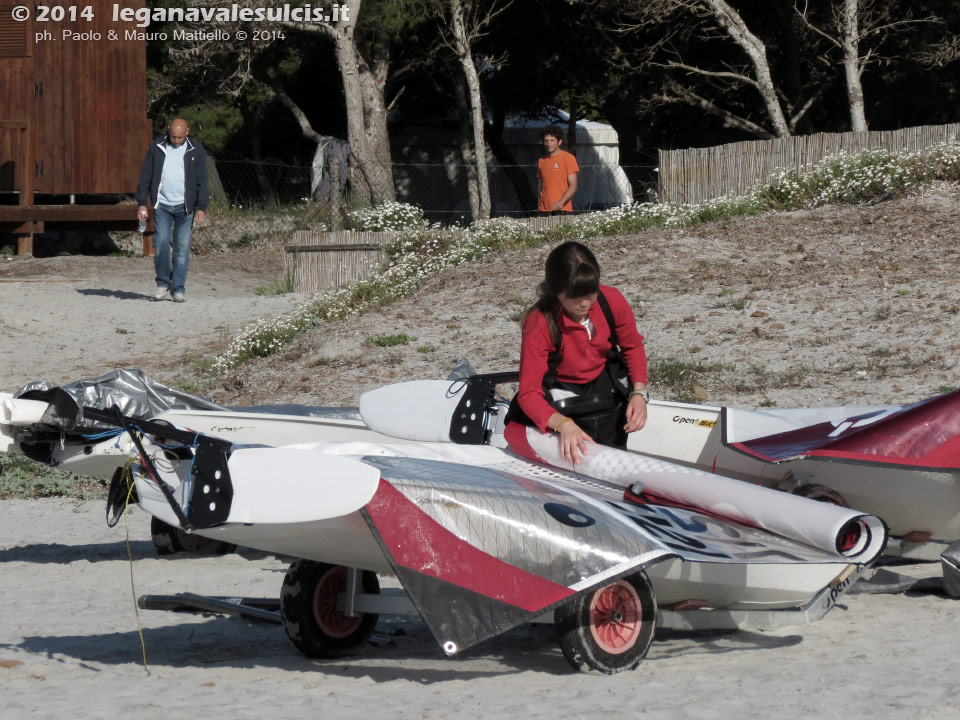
[(757, 52), (466, 147), (519, 179), (465, 55), (363, 86), (851, 64)]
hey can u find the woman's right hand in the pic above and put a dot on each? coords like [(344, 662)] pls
[(573, 442)]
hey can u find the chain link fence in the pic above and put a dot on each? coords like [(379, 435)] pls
[(255, 204), (258, 203)]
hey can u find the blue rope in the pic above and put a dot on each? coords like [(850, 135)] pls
[(102, 435)]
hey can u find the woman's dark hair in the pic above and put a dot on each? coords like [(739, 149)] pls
[(571, 268)]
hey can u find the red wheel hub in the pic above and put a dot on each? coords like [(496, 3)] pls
[(331, 621), (616, 615)]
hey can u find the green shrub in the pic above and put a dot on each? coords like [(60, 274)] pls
[(389, 340), (24, 478)]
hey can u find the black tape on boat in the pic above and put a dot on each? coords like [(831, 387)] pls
[(469, 424)]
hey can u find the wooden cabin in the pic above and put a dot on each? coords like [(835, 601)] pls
[(73, 119)]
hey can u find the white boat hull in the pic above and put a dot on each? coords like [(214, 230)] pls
[(347, 539), (910, 500)]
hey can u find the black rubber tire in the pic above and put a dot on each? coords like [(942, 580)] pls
[(583, 644), (310, 617), (169, 540), (821, 493)]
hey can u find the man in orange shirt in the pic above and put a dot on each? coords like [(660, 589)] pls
[(557, 172)]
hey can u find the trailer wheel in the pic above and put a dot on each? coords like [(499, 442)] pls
[(168, 540), (821, 493), (308, 606), (610, 629)]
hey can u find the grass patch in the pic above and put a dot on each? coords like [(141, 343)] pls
[(191, 387), (21, 477), (677, 378), (732, 304), (389, 340), (757, 378), (883, 363), (277, 286)]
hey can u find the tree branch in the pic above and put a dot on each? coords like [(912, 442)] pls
[(710, 73), (708, 106), (305, 127), (326, 29), (813, 28)]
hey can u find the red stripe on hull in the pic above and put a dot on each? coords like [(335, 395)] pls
[(418, 542), (516, 436)]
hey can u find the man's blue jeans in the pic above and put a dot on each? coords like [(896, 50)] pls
[(173, 225)]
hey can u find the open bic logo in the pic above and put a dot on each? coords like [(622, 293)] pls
[(680, 420)]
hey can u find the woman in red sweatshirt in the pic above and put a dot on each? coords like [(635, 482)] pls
[(570, 372)]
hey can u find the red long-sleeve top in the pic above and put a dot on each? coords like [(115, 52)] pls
[(583, 359)]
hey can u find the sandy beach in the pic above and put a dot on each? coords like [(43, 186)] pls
[(69, 640), (73, 317), (69, 646)]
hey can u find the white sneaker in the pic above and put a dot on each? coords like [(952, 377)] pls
[(179, 297), (160, 293)]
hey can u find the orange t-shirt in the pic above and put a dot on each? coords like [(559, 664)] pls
[(552, 171)]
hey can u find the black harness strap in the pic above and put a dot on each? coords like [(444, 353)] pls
[(615, 354)]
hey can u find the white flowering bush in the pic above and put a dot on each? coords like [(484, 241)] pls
[(391, 216), (421, 250), (855, 178)]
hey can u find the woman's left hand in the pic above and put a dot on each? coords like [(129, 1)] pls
[(636, 414)]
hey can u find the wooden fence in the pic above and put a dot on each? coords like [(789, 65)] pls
[(698, 174), (325, 260), (318, 261)]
